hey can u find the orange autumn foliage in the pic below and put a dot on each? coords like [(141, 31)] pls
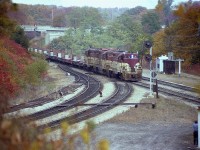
[(13, 59)]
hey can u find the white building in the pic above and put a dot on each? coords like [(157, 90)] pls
[(160, 64)]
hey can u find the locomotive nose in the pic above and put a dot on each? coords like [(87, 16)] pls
[(138, 66)]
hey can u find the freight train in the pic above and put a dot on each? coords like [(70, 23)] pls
[(107, 61)]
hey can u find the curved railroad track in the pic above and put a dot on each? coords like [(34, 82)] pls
[(123, 90), (50, 97), (92, 87)]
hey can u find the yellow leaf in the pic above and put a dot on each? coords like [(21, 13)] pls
[(64, 126), (85, 135), (35, 146), (103, 145), (47, 130)]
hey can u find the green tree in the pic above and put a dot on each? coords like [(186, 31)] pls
[(150, 22), (127, 31), (19, 37), (85, 17)]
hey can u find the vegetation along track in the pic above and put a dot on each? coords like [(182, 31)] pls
[(50, 97), (92, 89), (173, 89), (123, 90)]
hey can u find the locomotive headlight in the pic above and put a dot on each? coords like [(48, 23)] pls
[(132, 56), (137, 66)]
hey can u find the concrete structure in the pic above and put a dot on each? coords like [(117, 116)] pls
[(49, 32), (42, 28), (52, 34)]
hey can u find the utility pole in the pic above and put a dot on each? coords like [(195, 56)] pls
[(52, 16), (150, 69)]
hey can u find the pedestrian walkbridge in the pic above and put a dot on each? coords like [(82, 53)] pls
[(49, 32)]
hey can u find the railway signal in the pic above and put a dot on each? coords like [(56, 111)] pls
[(147, 44), (148, 58)]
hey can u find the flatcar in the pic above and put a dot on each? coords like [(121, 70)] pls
[(107, 61)]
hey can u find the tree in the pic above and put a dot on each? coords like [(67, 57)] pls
[(181, 37), (59, 21), (150, 22), (164, 7), (186, 43), (86, 17), (127, 31), (159, 44), (136, 11), (6, 24), (19, 37)]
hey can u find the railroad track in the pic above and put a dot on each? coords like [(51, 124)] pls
[(49, 98), (171, 84), (172, 89), (123, 90), (92, 87)]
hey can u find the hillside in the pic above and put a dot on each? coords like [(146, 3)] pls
[(47, 14)]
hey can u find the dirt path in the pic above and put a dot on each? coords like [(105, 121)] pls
[(167, 127)]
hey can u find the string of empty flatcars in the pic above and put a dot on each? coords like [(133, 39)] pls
[(107, 61)]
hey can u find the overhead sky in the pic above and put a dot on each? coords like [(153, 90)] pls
[(97, 3)]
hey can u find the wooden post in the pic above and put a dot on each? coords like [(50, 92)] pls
[(157, 89)]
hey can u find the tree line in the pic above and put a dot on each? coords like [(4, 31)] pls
[(170, 28)]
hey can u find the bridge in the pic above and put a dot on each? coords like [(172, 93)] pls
[(49, 32)]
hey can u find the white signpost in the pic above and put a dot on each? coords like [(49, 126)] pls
[(179, 66)]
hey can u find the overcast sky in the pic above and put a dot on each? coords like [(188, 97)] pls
[(97, 3)]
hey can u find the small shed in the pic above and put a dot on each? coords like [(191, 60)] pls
[(169, 66), (160, 64)]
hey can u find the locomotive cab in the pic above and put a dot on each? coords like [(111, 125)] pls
[(131, 68)]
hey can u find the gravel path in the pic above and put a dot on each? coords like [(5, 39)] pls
[(145, 136)]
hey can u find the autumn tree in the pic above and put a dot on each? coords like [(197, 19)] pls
[(6, 25), (164, 8), (159, 44), (186, 28), (13, 59)]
